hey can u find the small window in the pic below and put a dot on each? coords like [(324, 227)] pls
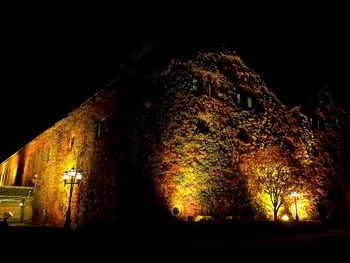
[(176, 211), (48, 155), (202, 127), (249, 102), (195, 85), (243, 136), (238, 99), (100, 129), (71, 143), (208, 89)]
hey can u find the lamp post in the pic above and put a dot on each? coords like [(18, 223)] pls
[(296, 195), (72, 177), (21, 207)]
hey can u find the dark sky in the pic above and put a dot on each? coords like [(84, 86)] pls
[(54, 59)]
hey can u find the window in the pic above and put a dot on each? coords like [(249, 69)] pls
[(249, 102), (202, 127), (71, 143), (202, 89), (208, 88), (243, 136), (100, 129), (238, 98), (48, 155), (195, 85), (317, 124), (176, 211)]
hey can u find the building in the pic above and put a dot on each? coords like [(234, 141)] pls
[(191, 140), (17, 202)]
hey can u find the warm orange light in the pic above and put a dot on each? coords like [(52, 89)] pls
[(72, 172), (285, 218), (295, 194)]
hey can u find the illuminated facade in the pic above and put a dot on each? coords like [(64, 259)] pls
[(76, 141), (197, 139)]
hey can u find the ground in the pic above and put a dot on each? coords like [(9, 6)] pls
[(175, 242)]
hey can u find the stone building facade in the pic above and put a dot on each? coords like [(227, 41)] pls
[(180, 143), (78, 141)]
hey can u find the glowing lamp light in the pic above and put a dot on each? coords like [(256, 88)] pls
[(72, 172), (198, 218), (285, 218), (65, 175), (74, 175), (75, 178), (296, 195)]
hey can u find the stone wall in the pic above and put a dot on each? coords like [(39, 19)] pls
[(82, 140), (183, 142)]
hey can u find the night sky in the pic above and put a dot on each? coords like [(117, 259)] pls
[(54, 60)]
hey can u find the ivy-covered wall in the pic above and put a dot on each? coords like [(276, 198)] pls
[(79, 141), (212, 126), (194, 139)]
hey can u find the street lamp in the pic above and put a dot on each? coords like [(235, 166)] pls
[(21, 207), (75, 178), (296, 195)]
